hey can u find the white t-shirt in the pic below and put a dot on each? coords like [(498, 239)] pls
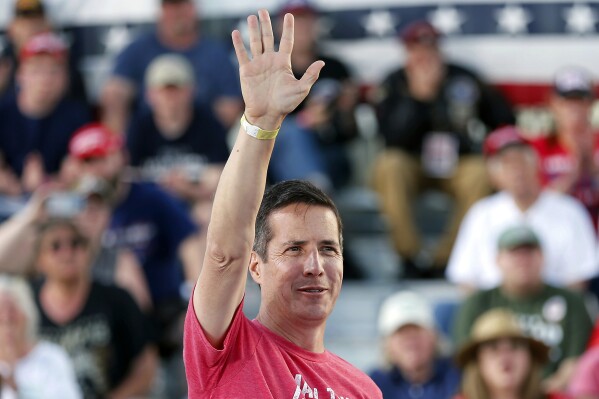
[(46, 372), (561, 222)]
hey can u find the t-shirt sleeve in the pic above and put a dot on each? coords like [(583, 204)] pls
[(465, 256), (227, 79), (585, 380), (581, 255), (579, 326), (131, 331), (204, 364), (128, 64), (470, 309)]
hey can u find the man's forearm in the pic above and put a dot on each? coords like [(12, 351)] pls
[(17, 241), (139, 380)]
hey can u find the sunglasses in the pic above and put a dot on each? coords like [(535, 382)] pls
[(74, 243)]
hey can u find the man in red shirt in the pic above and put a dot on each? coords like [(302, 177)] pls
[(569, 156), (291, 241)]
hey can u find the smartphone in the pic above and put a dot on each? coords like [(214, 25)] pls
[(64, 204)]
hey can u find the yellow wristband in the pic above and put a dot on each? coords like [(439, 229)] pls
[(256, 132)]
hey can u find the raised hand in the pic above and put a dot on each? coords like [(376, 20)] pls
[(270, 91)]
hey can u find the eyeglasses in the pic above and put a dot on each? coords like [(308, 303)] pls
[(72, 244)]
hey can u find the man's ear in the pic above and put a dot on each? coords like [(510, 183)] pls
[(255, 268)]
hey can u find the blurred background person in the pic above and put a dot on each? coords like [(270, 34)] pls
[(177, 143), (434, 116), (569, 154), (556, 316), (29, 368), (152, 224), (91, 212), (567, 235), (38, 122), (319, 129), (30, 19), (411, 346), (178, 30), (500, 361), (100, 326)]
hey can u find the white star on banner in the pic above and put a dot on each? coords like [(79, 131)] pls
[(447, 19), (513, 19), (325, 26), (580, 18), (379, 23), (116, 38)]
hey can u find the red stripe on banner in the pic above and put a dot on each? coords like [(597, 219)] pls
[(518, 94), (525, 94)]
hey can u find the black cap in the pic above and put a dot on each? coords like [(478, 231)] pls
[(573, 82), (420, 32), (29, 8)]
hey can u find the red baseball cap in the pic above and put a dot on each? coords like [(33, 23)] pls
[(420, 32), (298, 7), (45, 43), (94, 141), (502, 138)]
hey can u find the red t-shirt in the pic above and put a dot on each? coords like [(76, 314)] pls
[(556, 161), (257, 363)]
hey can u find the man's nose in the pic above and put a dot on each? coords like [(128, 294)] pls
[(313, 265)]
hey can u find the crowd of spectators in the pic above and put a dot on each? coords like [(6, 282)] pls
[(101, 251)]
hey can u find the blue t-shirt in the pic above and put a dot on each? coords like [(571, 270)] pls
[(49, 136), (152, 224), (214, 72), (203, 142), (444, 384)]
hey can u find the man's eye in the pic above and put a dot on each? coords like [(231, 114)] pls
[(293, 249)]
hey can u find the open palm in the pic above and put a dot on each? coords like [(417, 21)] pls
[(270, 91)]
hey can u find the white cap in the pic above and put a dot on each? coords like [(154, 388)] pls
[(403, 308), (169, 69)]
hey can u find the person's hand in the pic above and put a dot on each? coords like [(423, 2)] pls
[(558, 381), (314, 115), (33, 172), (269, 89)]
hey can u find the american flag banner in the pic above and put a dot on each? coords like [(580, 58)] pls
[(517, 45)]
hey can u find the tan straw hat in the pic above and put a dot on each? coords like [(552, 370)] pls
[(496, 324)]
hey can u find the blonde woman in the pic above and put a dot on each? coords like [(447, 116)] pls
[(29, 368), (500, 361)]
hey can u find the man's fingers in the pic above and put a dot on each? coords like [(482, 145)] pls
[(286, 45), (268, 39), (240, 51), (255, 36), (311, 75)]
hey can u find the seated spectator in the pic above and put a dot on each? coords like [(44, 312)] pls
[(38, 123), (434, 116), (91, 212), (29, 368), (177, 31), (152, 224), (100, 326), (569, 155), (500, 360), (313, 146), (415, 368), (556, 316), (177, 143), (569, 243), (30, 19)]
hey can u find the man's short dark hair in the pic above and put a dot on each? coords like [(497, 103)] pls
[(286, 193)]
